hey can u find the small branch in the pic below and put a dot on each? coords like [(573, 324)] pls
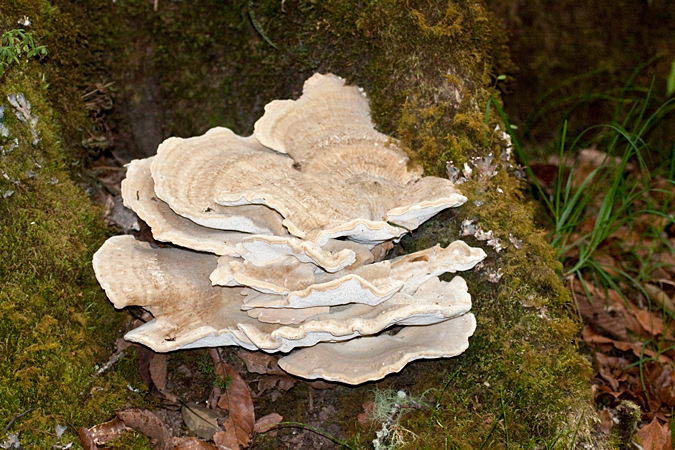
[(113, 359), (17, 417)]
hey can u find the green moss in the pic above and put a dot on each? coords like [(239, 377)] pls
[(523, 362), (56, 324)]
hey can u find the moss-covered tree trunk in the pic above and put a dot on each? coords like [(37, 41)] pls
[(428, 68)]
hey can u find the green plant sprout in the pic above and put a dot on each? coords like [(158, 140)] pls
[(670, 81), (205, 366), (14, 44), (623, 198)]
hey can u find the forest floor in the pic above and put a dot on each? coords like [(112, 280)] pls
[(624, 297)]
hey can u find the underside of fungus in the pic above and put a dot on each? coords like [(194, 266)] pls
[(276, 242)]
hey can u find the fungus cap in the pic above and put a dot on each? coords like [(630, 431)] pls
[(372, 358), (173, 285), (187, 173), (138, 193), (435, 301)]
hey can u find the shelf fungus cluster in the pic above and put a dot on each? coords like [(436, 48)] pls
[(278, 243)]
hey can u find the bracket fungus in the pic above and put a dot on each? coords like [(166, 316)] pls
[(277, 242)]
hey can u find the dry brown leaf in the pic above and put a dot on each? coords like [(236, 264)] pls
[(158, 370), (286, 382), (652, 324), (669, 441), (608, 312), (283, 383), (265, 384), (320, 384), (606, 421), (266, 423), (612, 369), (659, 296), (627, 384), (649, 322), (227, 439), (591, 337), (144, 358), (200, 420), (191, 443), (103, 432), (364, 417), (259, 362), (600, 317), (122, 344), (236, 399), (86, 439), (608, 390), (653, 436), (146, 423), (661, 379)]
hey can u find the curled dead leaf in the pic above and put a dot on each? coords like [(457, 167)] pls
[(652, 436), (227, 439), (283, 383), (86, 439), (122, 344), (145, 422), (659, 296), (158, 369), (259, 362), (649, 322), (661, 379), (320, 384), (266, 423), (191, 443), (103, 432), (144, 358), (637, 348), (598, 313), (236, 399)]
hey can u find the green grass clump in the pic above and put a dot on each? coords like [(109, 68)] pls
[(611, 195)]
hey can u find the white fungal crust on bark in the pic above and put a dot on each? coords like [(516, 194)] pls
[(279, 242)]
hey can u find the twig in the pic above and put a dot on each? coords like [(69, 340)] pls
[(113, 359), (17, 417), (574, 297), (97, 90), (100, 168)]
